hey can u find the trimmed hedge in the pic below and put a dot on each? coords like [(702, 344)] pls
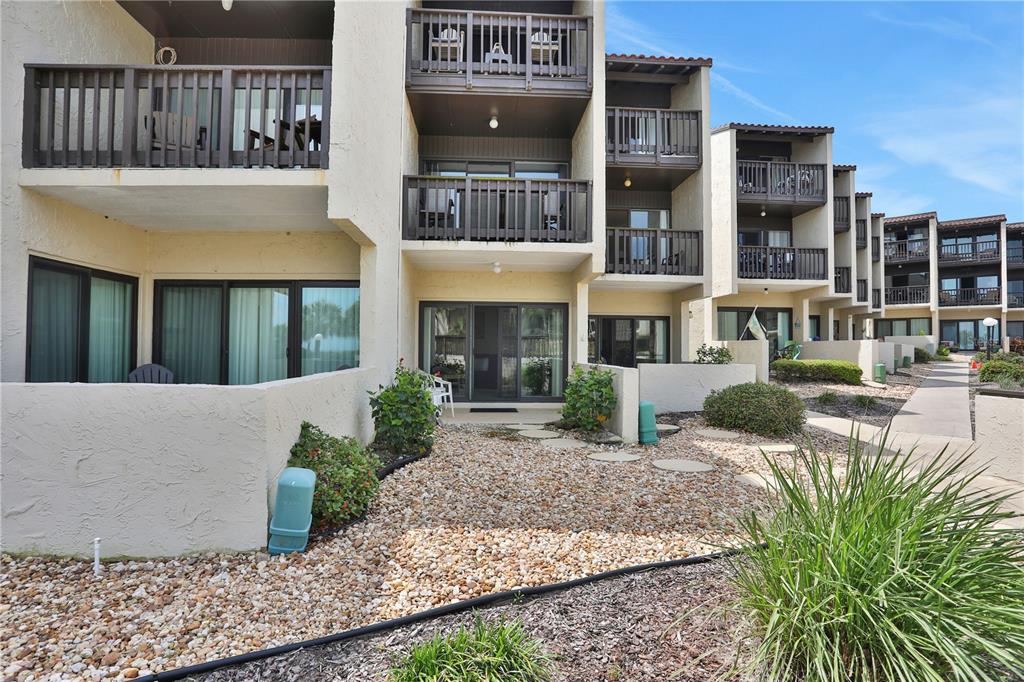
[(764, 409), (996, 370), (836, 371)]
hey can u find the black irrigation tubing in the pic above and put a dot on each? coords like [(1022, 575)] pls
[(429, 614)]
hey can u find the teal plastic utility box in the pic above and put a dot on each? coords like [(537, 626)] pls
[(880, 373), (289, 527), (906, 361), (648, 427)]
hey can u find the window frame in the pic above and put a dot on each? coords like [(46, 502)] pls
[(667, 319), (294, 286), (908, 320), (85, 275)]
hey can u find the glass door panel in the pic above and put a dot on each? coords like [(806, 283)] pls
[(190, 333), (542, 351), (445, 344), (56, 325), (495, 336), (257, 334), (111, 305), (330, 329), (965, 334)]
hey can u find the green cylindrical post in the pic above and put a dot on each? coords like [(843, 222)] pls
[(880, 372), (648, 426), (906, 361)]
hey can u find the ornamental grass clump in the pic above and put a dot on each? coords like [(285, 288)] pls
[(484, 653), (895, 572)]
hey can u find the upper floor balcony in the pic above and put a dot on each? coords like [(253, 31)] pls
[(1015, 299), (876, 298), (781, 181), (781, 262), (969, 252), (842, 279), (1014, 255), (841, 214), (862, 291), (653, 137), (496, 209), (451, 50), (906, 251), (92, 116), (862, 233), (970, 296), (917, 294), (653, 252), (876, 249)]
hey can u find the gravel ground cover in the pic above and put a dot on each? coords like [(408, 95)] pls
[(647, 627), (481, 514)]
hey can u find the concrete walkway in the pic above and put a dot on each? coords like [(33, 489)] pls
[(940, 406)]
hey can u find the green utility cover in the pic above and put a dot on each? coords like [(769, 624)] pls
[(289, 527), (880, 372), (648, 426)]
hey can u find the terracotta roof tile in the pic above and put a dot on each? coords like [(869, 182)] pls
[(970, 222), (1015, 226), (843, 167), (913, 218), (877, 215), (686, 61), (769, 128), (864, 195)]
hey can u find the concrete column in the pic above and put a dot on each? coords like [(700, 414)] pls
[(578, 349), (829, 331), (804, 312), (378, 310)]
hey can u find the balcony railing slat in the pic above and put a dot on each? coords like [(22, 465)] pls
[(841, 213), (862, 233), (876, 249), (781, 262), (655, 136), (906, 250), (781, 180), (972, 252), (862, 291), (876, 298), (842, 279)]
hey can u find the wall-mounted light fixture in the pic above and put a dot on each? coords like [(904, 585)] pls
[(494, 122), (496, 266)]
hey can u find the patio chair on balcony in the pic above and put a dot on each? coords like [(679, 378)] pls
[(151, 374), (551, 208), (544, 48), (447, 46), (438, 208), (172, 131)]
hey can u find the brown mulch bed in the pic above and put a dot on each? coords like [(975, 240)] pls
[(653, 626)]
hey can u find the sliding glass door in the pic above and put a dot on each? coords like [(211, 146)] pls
[(628, 341), (257, 334)]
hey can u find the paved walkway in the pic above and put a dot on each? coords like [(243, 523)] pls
[(940, 406)]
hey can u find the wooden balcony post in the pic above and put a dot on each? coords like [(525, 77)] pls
[(227, 109), (30, 122), (529, 53), (469, 50), (131, 117), (325, 126), (657, 137)]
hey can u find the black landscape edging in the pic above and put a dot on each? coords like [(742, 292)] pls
[(429, 614)]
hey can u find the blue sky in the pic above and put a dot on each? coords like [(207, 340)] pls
[(927, 99)]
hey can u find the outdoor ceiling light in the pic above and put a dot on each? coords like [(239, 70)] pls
[(226, 4), (628, 182), (763, 212), (496, 267), (494, 122)]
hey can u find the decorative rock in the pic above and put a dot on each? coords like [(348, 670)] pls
[(756, 480), (682, 465), (606, 438), (539, 434), (778, 447), (667, 429), (110, 659), (717, 433), (130, 673), (564, 443), (614, 456), (874, 384)]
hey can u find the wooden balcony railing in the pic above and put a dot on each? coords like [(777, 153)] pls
[(876, 298), (177, 117), (842, 279), (652, 136), (470, 50), (876, 249), (781, 262), (781, 181), (1015, 300), (972, 296), (1015, 255), (974, 252), (841, 214), (913, 295), (496, 209), (653, 252), (862, 291), (906, 250), (862, 233)]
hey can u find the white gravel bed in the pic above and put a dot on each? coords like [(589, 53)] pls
[(481, 514)]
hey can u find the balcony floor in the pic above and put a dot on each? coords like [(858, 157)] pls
[(691, 284), (481, 256)]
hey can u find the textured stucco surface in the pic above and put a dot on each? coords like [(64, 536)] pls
[(999, 435), (683, 388), (861, 353), (157, 470), (752, 352), (625, 419)]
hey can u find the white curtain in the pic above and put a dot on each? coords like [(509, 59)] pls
[(257, 334)]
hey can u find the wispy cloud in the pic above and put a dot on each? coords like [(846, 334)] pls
[(727, 85), (942, 26), (896, 202)]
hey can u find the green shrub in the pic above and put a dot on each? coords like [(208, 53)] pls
[(589, 398), (485, 652), (922, 355), (828, 398), (713, 355), (346, 474), (836, 371), (1008, 357), (994, 370), (403, 413), (764, 409), (891, 572), (864, 401), (943, 351)]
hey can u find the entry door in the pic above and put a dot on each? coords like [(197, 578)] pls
[(966, 334), (495, 353)]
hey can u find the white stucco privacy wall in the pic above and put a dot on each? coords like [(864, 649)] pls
[(930, 342), (625, 417), (886, 356), (862, 353), (157, 470), (999, 435), (753, 352), (683, 387)]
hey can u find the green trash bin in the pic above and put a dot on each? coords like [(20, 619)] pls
[(906, 361), (289, 527), (648, 426), (880, 372)]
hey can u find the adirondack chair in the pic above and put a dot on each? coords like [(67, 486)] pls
[(151, 374), (171, 131)]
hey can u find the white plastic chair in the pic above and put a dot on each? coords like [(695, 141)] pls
[(441, 393)]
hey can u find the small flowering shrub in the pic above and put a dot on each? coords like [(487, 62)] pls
[(346, 474), (589, 398), (403, 414), (713, 355)]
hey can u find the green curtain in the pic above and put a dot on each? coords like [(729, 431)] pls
[(191, 333), (55, 319), (330, 329), (110, 330), (257, 334)]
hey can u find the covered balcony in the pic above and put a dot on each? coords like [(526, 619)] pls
[(781, 262), (906, 250), (841, 214), (781, 181), (1015, 299), (653, 137), (876, 298), (908, 295), (1015, 255), (949, 298), (862, 291), (842, 279), (876, 249), (653, 252), (969, 252), (862, 233)]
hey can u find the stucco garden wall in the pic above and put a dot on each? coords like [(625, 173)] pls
[(929, 343), (683, 387), (753, 352), (861, 353), (999, 434), (157, 470), (886, 356)]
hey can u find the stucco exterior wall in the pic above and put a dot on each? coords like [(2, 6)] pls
[(886, 356), (754, 353), (683, 387), (626, 302), (722, 255), (929, 343), (999, 435), (117, 461), (862, 353), (625, 419)]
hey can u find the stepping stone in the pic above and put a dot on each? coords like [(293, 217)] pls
[(607, 438), (565, 443), (667, 429), (873, 384), (684, 465), (778, 447), (539, 434), (756, 480), (717, 433), (613, 456), (522, 427)]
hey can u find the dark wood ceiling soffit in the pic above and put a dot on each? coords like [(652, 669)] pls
[(297, 19)]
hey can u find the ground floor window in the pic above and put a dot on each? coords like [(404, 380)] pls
[(627, 341), (814, 327), (1015, 329), (913, 326), (967, 334), (776, 322), (496, 351), (218, 332), (82, 323)]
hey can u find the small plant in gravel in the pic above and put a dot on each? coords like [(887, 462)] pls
[(485, 652), (589, 398), (889, 572), (828, 398), (943, 351), (764, 409), (713, 355), (346, 474), (865, 402), (837, 371), (403, 414), (996, 370)]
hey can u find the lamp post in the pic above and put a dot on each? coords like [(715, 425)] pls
[(989, 323)]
